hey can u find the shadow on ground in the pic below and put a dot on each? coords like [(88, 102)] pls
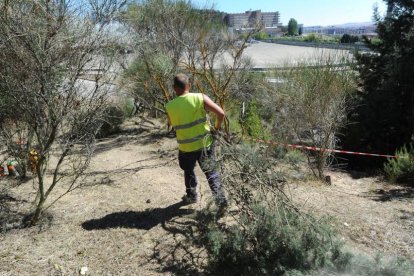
[(137, 219), (361, 174), (10, 216), (175, 251), (400, 193), (181, 252), (407, 215)]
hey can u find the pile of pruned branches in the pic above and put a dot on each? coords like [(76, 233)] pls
[(265, 232)]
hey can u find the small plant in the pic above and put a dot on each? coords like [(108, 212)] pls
[(401, 169), (294, 157)]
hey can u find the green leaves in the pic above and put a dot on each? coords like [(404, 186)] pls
[(401, 169), (293, 28), (385, 113)]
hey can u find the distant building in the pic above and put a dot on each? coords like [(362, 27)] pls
[(241, 20), (270, 19), (249, 19), (367, 29)]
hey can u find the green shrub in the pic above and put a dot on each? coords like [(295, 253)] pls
[(347, 38), (113, 117), (253, 123), (261, 36), (128, 107), (272, 242), (294, 157), (269, 235), (401, 169), (312, 38), (376, 41), (285, 242)]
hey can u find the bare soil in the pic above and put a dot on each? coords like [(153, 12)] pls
[(129, 220)]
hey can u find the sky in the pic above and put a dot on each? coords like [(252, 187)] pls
[(307, 12)]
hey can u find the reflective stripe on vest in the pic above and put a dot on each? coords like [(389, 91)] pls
[(191, 140), (196, 122), (188, 117)]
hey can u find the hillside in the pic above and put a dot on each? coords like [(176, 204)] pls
[(128, 220)]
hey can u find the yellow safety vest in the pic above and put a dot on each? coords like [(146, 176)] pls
[(188, 117)]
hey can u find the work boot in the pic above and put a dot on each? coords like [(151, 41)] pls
[(190, 199)]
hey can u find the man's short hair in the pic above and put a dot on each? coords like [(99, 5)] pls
[(181, 81)]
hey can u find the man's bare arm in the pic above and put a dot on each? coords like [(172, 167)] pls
[(211, 106)]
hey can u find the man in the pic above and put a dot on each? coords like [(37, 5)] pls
[(187, 114)]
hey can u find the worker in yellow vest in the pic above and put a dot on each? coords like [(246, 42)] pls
[(187, 114)]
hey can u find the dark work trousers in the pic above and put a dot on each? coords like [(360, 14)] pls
[(205, 159)]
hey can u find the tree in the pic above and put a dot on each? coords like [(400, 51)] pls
[(173, 36), (50, 106), (311, 105), (292, 27), (386, 110)]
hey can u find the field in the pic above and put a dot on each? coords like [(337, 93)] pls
[(128, 220)]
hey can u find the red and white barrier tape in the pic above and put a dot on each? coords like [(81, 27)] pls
[(325, 150)]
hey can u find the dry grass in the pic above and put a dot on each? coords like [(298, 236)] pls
[(128, 220), (372, 216)]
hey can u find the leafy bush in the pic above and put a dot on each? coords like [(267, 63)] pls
[(401, 169), (272, 242), (252, 122), (261, 36), (312, 38)]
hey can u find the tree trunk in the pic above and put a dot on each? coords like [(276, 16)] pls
[(320, 162), (38, 212)]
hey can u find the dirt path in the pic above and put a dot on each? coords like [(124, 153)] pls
[(129, 220), (373, 217)]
